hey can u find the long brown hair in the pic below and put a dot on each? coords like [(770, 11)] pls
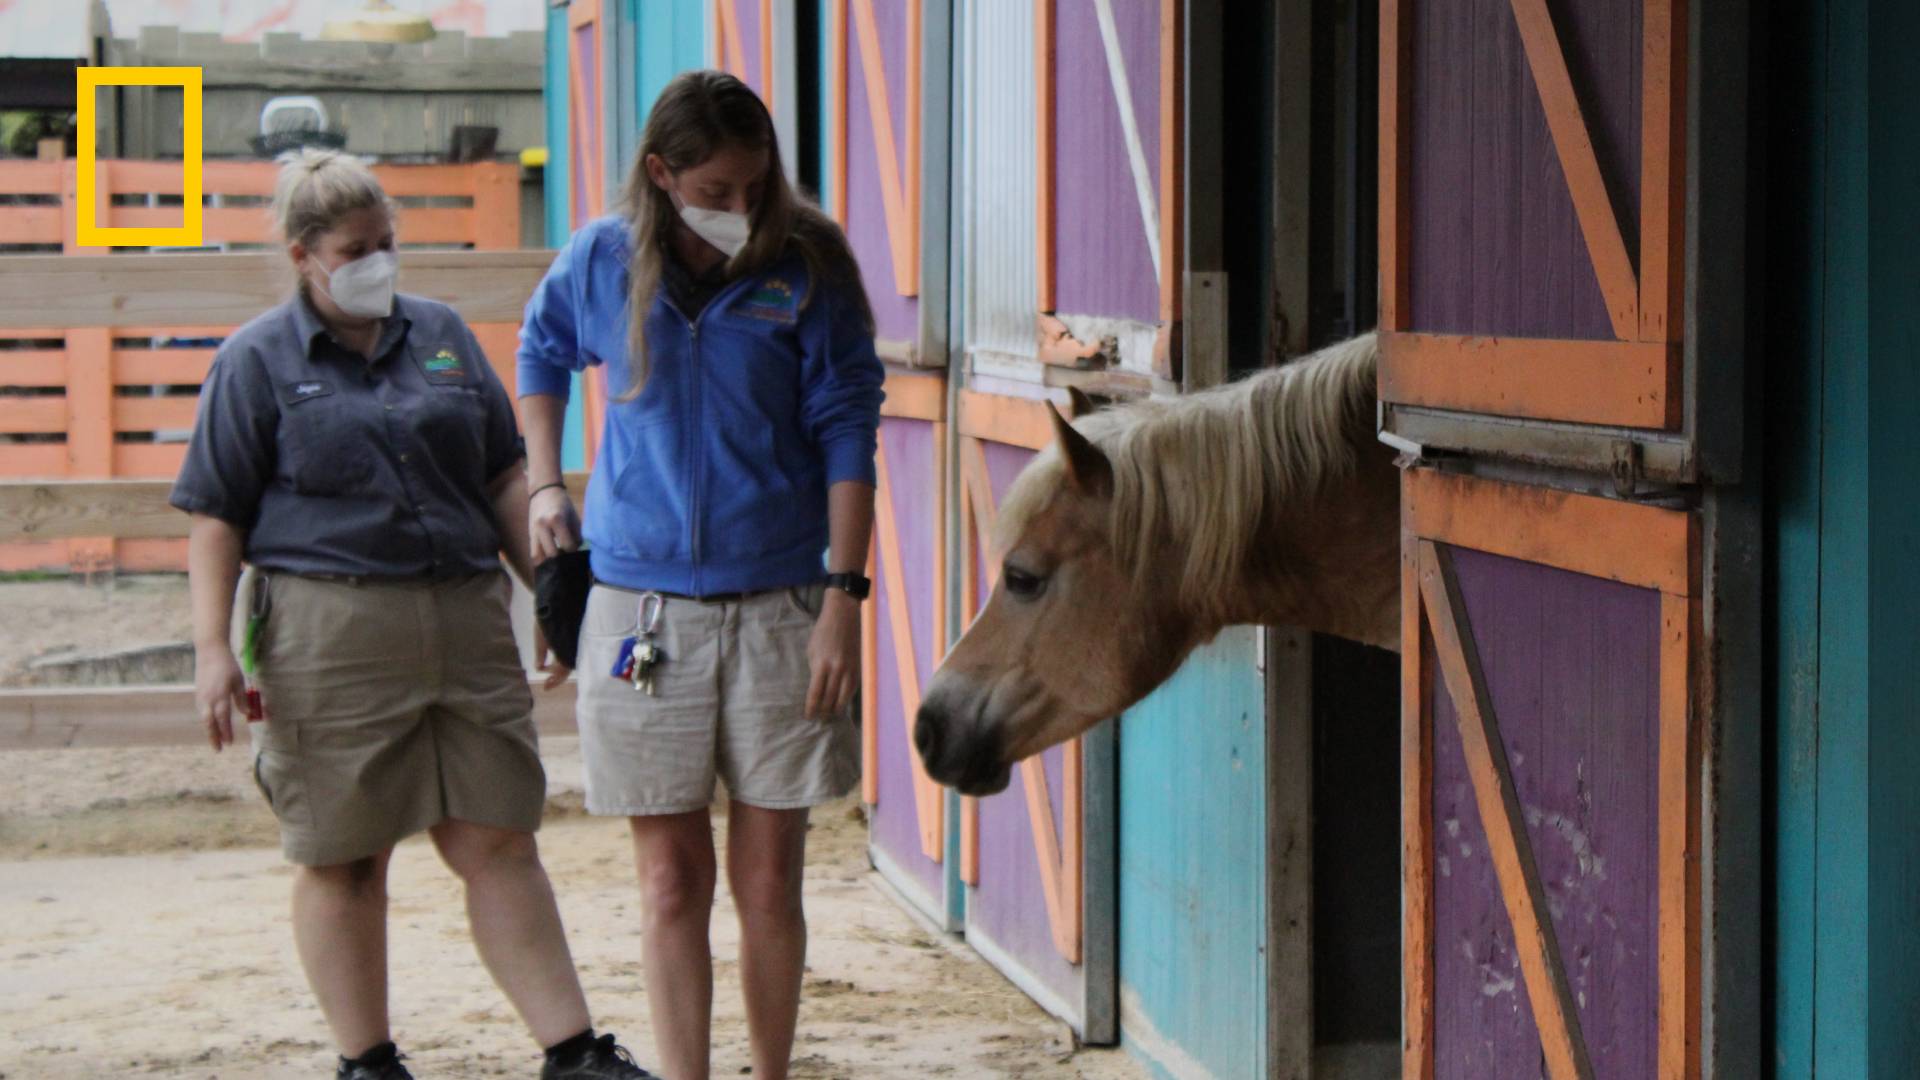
[(697, 114)]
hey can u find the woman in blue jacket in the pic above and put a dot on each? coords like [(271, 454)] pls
[(728, 518)]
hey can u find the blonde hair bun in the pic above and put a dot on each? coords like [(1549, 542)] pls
[(318, 187)]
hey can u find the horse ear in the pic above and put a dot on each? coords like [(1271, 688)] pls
[(1087, 468), (1080, 404)]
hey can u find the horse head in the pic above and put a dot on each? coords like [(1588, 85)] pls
[(1142, 532), (1067, 638)]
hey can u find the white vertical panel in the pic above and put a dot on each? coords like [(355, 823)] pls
[(996, 207)]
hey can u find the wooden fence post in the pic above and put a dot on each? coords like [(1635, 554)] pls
[(496, 206), (89, 372)]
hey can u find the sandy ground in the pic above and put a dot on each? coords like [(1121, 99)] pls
[(143, 926), (47, 618)]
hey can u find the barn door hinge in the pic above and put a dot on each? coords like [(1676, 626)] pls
[(1626, 467)]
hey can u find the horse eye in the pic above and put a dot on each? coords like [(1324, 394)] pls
[(1022, 584)]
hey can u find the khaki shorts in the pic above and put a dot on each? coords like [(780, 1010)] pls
[(390, 708), (729, 702)]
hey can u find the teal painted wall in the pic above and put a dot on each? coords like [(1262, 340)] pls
[(1193, 866), (558, 176), (1844, 533), (670, 37)]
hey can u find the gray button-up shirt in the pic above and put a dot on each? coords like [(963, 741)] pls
[(336, 465)]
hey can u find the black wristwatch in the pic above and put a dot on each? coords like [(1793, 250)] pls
[(858, 586)]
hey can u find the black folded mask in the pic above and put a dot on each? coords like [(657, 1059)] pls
[(560, 587)]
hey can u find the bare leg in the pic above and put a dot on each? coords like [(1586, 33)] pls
[(516, 925), (766, 859), (674, 856), (340, 930)]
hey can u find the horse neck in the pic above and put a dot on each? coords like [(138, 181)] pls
[(1327, 558)]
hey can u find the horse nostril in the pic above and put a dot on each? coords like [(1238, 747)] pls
[(926, 735)]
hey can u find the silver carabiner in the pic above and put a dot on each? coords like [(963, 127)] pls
[(651, 607)]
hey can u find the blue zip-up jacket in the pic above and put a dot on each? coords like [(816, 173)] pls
[(713, 480)]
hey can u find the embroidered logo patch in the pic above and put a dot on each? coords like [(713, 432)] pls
[(444, 366), (772, 300), (302, 391)]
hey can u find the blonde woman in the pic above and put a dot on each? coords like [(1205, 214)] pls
[(728, 518), (356, 451)]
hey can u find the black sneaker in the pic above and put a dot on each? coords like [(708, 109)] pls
[(604, 1059), (380, 1063)]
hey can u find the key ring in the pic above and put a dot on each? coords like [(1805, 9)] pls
[(651, 606)]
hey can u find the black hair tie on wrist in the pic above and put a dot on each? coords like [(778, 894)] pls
[(561, 484)]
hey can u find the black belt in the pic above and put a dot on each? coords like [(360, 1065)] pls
[(710, 598)]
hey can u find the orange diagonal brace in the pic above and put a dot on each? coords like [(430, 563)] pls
[(1506, 827), (926, 794), (728, 26), (880, 112), (1575, 147)]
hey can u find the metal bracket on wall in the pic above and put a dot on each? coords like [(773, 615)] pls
[(1626, 467)]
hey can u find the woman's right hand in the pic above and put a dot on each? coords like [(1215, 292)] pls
[(219, 689), (553, 523)]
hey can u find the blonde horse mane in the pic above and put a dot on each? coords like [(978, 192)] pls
[(1203, 473)]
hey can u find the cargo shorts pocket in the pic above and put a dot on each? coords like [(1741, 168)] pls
[(277, 775)]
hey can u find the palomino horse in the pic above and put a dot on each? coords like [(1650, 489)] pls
[(1150, 528)]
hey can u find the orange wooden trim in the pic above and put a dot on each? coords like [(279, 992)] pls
[(1046, 850), (911, 167), (39, 415), (1508, 844), (90, 409), (1396, 151), (927, 796), (870, 693), (915, 397), (880, 112), (31, 177), (150, 461), (938, 480), (1416, 817), (766, 53), (1072, 838), (971, 459), (582, 12), (1591, 203), (495, 219), (593, 384), (153, 413), (139, 367), (837, 113), (1647, 546), (103, 190), (40, 460), (985, 509), (1621, 383), (1044, 58), (727, 27), (584, 117), (970, 840), (31, 224), (1679, 947), (48, 367), (1002, 419), (1663, 169), (1172, 161)]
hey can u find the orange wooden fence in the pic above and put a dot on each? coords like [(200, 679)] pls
[(83, 396)]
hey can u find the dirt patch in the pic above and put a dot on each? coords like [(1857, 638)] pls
[(145, 906), (70, 617)]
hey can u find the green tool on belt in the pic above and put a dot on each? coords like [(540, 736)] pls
[(250, 648)]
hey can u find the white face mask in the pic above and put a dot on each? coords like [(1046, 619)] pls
[(726, 231), (364, 287)]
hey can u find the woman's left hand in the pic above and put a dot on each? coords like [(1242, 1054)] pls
[(833, 654)]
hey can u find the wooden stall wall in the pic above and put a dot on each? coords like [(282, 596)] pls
[(1532, 176), (1551, 805), (875, 158), (905, 635)]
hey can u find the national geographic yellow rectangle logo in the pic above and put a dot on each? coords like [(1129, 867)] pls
[(89, 230)]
